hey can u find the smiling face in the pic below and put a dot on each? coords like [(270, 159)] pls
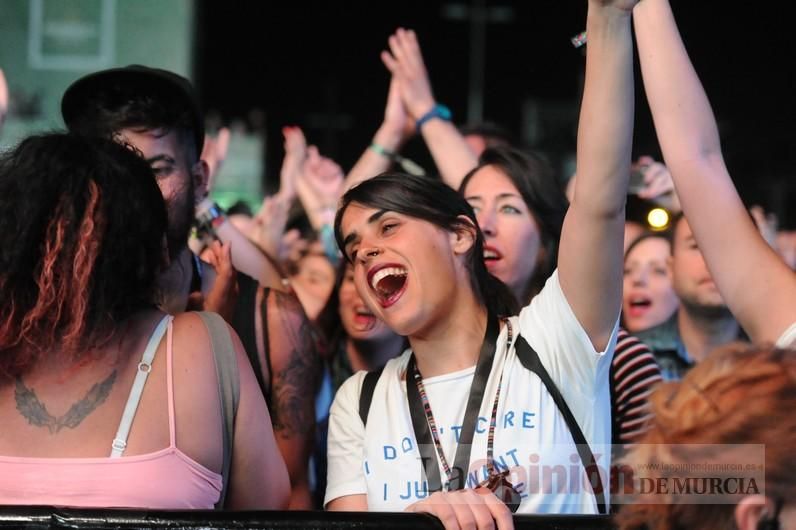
[(359, 322), (512, 236), (648, 298), (407, 270)]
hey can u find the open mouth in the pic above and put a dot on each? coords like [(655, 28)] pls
[(364, 320), (492, 257), (388, 282), (491, 254), (639, 305)]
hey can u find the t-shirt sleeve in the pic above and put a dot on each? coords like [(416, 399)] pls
[(788, 338), (346, 447), (552, 329), (635, 374)]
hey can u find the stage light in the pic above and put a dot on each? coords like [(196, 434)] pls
[(658, 219)]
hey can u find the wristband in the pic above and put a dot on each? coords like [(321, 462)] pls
[(437, 111), (209, 216), (406, 164)]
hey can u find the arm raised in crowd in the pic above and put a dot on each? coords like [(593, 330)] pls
[(757, 285), (452, 155), (396, 128), (246, 256), (590, 254)]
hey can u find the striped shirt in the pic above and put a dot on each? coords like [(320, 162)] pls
[(634, 374)]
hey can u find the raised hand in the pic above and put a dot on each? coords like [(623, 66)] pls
[(224, 293), (658, 184), (319, 187), (3, 99), (323, 175), (405, 62), (268, 225), (214, 153), (295, 155), (621, 5), (397, 122)]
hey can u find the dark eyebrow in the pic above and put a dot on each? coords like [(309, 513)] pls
[(501, 196), (372, 219), (160, 158)]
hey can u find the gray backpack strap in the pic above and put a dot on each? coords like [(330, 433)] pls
[(366, 394), (228, 388)]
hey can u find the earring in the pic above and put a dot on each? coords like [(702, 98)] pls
[(770, 523)]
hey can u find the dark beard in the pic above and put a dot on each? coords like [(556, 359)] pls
[(707, 311), (181, 212)]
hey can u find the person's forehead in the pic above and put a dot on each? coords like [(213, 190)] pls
[(356, 217), (490, 181), (651, 247), (152, 142), (682, 229)]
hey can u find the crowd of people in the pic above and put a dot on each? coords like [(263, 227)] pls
[(386, 339)]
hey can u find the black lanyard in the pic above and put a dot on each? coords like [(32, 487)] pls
[(421, 417)]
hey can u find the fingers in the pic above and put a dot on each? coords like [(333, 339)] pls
[(498, 511), (222, 143), (480, 512), (438, 506), (467, 509), (399, 52), (658, 181), (390, 62), (220, 257), (411, 48)]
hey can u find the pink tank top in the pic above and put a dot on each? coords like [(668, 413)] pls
[(165, 479)]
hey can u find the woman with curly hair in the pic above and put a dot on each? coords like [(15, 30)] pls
[(105, 401), (737, 398)]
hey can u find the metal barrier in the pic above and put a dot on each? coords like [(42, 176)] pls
[(44, 517)]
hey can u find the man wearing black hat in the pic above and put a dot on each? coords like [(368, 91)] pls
[(156, 112)]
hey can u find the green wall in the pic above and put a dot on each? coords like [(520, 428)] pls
[(46, 44)]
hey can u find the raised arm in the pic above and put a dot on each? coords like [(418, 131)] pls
[(756, 284), (3, 99), (451, 154), (396, 128), (590, 254)]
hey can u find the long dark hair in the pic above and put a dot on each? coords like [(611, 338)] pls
[(82, 239), (543, 195), (434, 202)]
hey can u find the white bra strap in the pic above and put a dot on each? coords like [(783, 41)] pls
[(144, 367)]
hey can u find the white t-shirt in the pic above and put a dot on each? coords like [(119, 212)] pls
[(788, 338), (531, 437)]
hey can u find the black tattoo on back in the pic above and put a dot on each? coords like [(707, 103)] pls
[(36, 413)]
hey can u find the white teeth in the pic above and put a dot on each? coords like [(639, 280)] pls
[(490, 254), (383, 273)]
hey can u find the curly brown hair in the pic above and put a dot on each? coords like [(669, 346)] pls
[(82, 235), (740, 394)]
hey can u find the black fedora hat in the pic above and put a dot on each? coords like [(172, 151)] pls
[(155, 82)]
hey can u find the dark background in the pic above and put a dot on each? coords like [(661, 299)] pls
[(316, 64)]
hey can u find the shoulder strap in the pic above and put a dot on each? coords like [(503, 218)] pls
[(530, 360), (228, 388), (366, 394), (144, 367)]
